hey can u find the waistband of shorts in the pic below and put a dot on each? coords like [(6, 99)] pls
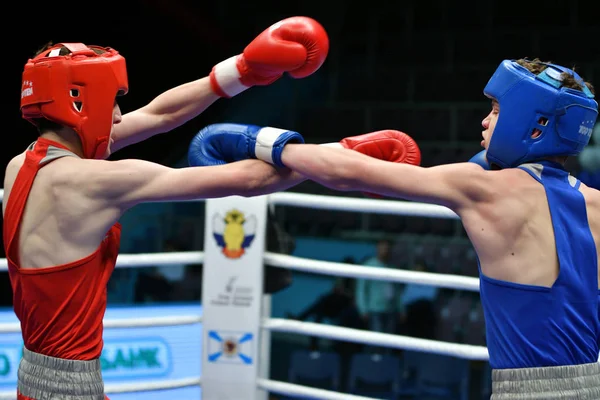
[(43, 377), (59, 364), (560, 372), (573, 382)]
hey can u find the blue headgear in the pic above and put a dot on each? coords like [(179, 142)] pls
[(565, 117)]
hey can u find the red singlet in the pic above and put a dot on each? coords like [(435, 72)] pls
[(60, 307)]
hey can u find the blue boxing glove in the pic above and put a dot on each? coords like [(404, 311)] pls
[(224, 143), (480, 159)]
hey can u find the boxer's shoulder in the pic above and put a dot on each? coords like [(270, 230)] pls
[(12, 168), (592, 202), (76, 186), (508, 196), (490, 184), (10, 174), (591, 194), (510, 179), (515, 185), (68, 172)]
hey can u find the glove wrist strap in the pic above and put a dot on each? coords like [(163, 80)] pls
[(265, 140), (225, 78)]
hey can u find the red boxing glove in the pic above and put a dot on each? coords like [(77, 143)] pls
[(388, 145), (297, 45)]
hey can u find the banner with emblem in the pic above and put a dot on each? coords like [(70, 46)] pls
[(234, 245)]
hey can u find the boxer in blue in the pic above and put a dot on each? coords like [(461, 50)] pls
[(535, 228)]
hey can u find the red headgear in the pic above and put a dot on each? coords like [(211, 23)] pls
[(77, 90)]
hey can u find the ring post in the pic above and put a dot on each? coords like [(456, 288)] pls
[(232, 289)]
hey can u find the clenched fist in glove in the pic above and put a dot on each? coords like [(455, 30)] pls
[(387, 145), (219, 144), (297, 45)]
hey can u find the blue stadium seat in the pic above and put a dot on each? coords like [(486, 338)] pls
[(442, 377), (315, 369), (475, 326), (410, 370), (375, 375)]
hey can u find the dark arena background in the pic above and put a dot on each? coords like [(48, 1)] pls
[(416, 66)]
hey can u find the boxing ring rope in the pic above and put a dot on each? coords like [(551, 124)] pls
[(289, 389), (375, 206), (376, 339), (14, 327), (446, 281)]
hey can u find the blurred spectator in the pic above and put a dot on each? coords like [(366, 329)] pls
[(338, 305), (416, 308), (331, 305), (152, 286), (172, 273), (374, 299), (156, 284), (189, 289)]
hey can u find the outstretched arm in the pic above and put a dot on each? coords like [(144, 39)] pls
[(166, 112), (454, 185), (126, 183), (297, 45), (353, 164)]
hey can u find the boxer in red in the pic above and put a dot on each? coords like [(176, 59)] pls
[(63, 200)]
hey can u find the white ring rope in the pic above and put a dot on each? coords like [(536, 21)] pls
[(308, 328), (15, 327), (147, 259), (373, 206), (148, 386), (159, 259), (376, 273), (298, 390), (306, 265), (466, 351)]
